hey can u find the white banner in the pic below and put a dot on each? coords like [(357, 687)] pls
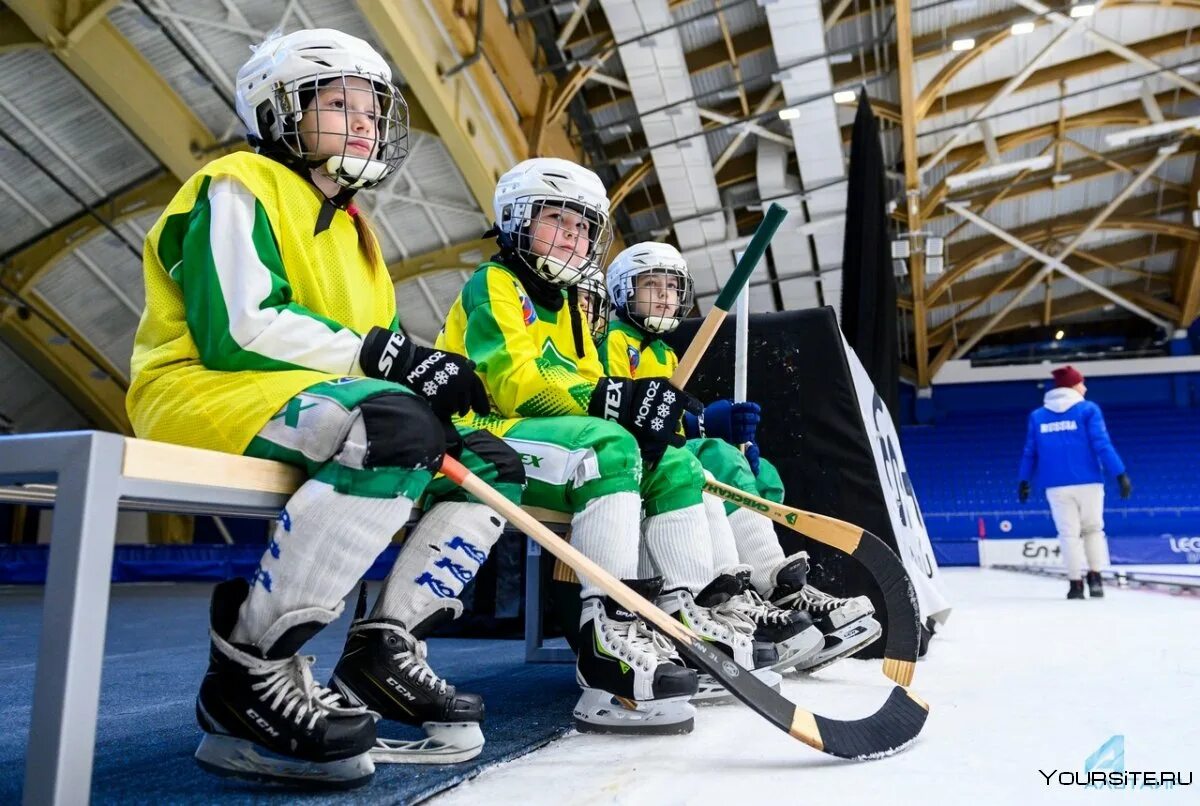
[(1036, 551), (912, 539)]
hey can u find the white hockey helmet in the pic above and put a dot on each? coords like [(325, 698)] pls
[(542, 186), (648, 259), (593, 293), (271, 87)]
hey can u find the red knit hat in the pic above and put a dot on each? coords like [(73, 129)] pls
[(1067, 376)]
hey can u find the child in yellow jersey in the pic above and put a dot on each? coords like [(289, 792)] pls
[(270, 330), (651, 292)]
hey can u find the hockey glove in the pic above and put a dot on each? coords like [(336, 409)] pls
[(446, 380), (1023, 491), (649, 408), (1126, 486), (736, 423), (753, 456)]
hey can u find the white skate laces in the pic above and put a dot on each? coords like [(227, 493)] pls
[(759, 610), (819, 601), (413, 659), (735, 614), (289, 683), (636, 644)]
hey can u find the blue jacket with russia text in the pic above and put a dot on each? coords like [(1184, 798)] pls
[(1067, 442)]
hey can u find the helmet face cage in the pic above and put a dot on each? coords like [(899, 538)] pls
[(593, 298), (658, 297), (366, 136), (561, 238)]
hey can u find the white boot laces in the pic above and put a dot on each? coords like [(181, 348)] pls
[(413, 659), (819, 600), (289, 683), (636, 643)]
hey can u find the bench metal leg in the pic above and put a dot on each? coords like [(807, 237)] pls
[(534, 651), (62, 731)]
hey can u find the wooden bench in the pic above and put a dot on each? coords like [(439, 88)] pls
[(88, 476)]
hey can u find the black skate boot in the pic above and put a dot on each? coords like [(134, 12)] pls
[(847, 624), (1076, 589), (718, 614), (1095, 585), (265, 719), (792, 632), (632, 680), (384, 668)]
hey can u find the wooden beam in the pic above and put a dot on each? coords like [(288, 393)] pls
[(1030, 182), (464, 256), (748, 43), (1114, 255), (22, 269), (1186, 288), (1132, 215), (1150, 48), (912, 183), (68, 362), (507, 61), (122, 79), (1072, 305)]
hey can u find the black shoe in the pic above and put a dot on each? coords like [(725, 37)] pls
[(1076, 591), (1095, 585), (264, 717)]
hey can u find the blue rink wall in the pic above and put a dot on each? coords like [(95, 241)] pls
[(1154, 422)]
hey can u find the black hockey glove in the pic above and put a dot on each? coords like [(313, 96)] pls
[(1126, 486), (1023, 491), (649, 408), (446, 380)]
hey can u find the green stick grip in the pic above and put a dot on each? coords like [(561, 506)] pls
[(754, 252)]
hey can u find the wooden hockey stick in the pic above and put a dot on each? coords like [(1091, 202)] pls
[(729, 294), (900, 653), (894, 726)]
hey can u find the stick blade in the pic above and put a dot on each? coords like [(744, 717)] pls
[(889, 730)]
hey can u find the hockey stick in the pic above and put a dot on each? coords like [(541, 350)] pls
[(900, 654), (728, 296), (888, 730)]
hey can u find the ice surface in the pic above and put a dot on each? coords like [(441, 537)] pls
[(1019, 680)]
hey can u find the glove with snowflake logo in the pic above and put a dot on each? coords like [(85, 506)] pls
[(447, 381), (649, 408)]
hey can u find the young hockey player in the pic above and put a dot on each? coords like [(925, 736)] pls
[(651, 291), (585, 439), (270, 330), (594, 304)]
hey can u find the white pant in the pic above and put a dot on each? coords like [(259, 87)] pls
[(1078, 512)]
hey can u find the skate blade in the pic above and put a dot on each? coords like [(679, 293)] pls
[(230, 757), (445, 743), (710, 692), (599, 711), (798, 649), (854, 636)]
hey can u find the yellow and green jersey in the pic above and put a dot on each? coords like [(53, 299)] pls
[(524, 352), (627, 352), (247, 304)]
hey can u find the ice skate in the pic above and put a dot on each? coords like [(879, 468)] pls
[(847, 623), (632, 679), (265, 719)]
